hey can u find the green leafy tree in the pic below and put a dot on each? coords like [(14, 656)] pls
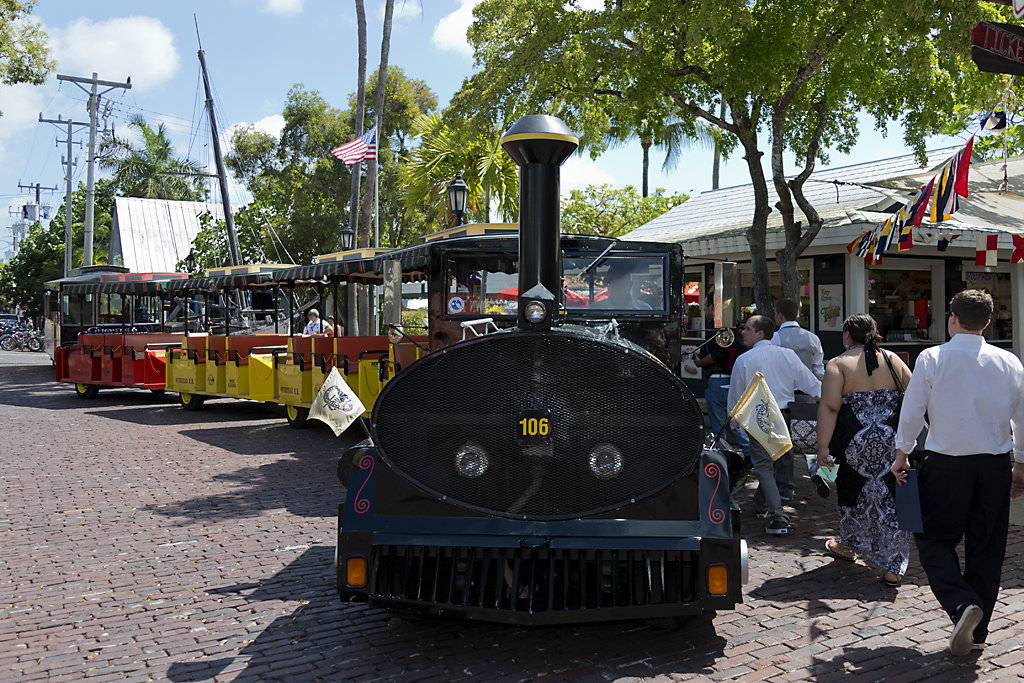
[(300, 191), (103, 222), (24, 57), (210, 247), (792, 76), (150, 169), (405, 99), (40, 258), (609, 212)]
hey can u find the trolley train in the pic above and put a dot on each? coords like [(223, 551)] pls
[(543, 463), (533, 455)]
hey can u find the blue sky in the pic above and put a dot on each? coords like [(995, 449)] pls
[(256, 50)]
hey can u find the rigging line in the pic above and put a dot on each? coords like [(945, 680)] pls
[(195, 104)]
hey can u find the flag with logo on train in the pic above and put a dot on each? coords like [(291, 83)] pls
[(759, 414), (336, 404)]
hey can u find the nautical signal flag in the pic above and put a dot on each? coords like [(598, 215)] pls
[(986, 254), (759, 415), (363, 147), (919, 207), (1018, 249)]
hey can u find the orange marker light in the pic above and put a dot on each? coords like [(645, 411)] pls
[(718, 579), (356, 571)]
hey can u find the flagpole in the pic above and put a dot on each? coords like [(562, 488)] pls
[(376, 190)]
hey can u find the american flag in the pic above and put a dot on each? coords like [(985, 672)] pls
[(363, 147)]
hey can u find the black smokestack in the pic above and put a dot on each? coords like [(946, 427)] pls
[(539, 144)]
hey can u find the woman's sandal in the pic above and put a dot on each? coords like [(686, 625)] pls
[(889, 582), (842, 551)]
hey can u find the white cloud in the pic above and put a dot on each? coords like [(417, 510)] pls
[(286, 7), (272, 125), (579, 172), (450, 33), (20, 105), (140, 47)]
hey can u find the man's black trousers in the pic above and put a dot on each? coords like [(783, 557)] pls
[(965, 498)]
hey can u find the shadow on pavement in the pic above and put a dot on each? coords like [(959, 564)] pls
[(324, 639), (299, 474)]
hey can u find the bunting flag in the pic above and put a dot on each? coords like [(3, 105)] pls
[(864, 248), (963, 165), (874, 256), (944, 241), (855, 244), (919, 207), (759, 415), (944, 199), (987, 252), (1018, 249), (906, 230)]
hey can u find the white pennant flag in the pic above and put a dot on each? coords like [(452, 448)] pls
[(759, 414), (336, 404)]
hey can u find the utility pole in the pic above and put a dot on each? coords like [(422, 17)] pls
[(69, 162), (94, 107), (229, 220)]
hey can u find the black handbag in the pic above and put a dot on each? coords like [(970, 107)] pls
[(919, 454)]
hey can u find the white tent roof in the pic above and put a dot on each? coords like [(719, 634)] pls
[(716, 222), (153, 235)]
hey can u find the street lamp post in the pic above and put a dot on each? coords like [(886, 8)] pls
[(458, 195)]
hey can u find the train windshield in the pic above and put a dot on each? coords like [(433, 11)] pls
[(481, 285), (633, 284)]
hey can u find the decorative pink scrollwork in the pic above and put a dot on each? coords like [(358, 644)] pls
[(362, 505), (713, 471)]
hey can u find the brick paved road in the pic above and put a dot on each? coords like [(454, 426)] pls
[(139, 542)]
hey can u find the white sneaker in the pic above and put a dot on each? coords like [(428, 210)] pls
[(962, 640)]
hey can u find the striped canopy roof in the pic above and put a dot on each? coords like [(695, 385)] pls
[(214, 284), (127, 283), (356, 270)]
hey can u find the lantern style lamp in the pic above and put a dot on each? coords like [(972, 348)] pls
[(190, 262), (458, 195), (348, 237)]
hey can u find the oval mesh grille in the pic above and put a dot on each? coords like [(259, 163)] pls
[(593, 392)]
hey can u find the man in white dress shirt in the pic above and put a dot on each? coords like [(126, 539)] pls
[(974, 396), (783, 373)]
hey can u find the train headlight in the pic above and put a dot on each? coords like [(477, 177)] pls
[(535, 312), (605, 461), (471, 460)]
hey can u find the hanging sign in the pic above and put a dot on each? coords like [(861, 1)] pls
[(998, 48)]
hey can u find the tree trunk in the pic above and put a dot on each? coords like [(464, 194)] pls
[(378, 111), (757, 233), (646, 144), (352, 326)]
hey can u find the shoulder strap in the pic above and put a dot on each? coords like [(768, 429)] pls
[(896, 378)]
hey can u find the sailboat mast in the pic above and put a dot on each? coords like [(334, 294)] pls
[(221, 173)]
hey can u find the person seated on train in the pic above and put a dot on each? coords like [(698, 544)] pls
[(315, 326), (619, 290)]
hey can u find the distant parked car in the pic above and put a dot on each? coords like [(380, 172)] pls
[(8, 318)]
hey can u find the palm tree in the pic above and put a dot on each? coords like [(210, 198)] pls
[(489, 172), (151, 169), (670, 134)]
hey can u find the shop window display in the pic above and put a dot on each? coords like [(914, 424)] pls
[(998, 286), (900, 301)]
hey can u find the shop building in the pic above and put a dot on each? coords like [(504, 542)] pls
[(907, 293)]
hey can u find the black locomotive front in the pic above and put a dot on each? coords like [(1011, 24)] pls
[(543, 474)]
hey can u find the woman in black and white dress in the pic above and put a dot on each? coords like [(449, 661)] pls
[(857, 420)]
